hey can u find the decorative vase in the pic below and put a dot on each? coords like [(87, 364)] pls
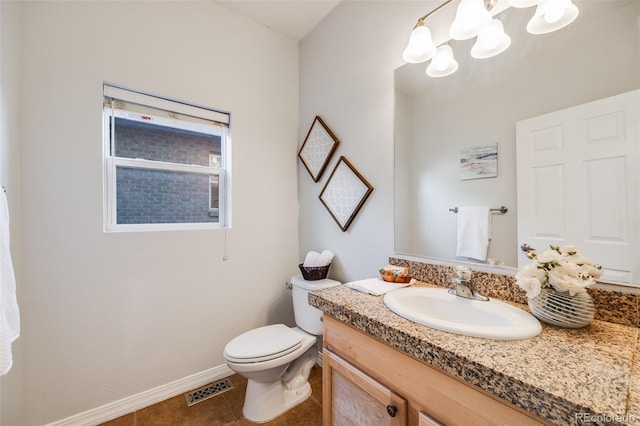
[(562, 309)]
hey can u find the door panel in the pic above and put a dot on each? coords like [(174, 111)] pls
[(578, 183)]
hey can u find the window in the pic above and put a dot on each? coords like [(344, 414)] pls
[(214, 187), (166, 163)]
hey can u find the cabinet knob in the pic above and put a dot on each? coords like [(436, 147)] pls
[(392, 410)]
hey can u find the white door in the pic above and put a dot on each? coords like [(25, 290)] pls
[(578, 183)]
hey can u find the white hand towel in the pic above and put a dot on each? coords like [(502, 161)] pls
[(375, 286), (9, 312), (473, 232)]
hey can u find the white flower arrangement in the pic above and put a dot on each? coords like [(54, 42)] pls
[(562, 268)]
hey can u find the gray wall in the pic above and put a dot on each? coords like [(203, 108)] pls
[(346, 77), (108, 316)]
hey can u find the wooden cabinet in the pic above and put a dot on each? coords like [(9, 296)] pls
[(364, 378), (358, 399), (426, 420)]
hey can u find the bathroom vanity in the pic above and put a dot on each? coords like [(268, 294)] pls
[(368, 382), (381, 365)]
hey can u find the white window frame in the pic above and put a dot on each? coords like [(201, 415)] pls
[(111, 162), (213, 159)]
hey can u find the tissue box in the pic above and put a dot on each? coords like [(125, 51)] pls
[(395, 274)]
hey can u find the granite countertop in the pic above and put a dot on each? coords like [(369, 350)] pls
[(562, 375)]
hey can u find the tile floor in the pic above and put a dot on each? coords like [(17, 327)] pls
[(224, 409)]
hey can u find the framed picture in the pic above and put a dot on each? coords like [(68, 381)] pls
[(479, 162), (344, 193), (317, 148)]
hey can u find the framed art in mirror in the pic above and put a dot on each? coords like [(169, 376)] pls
[(479, 161), (317, 148), (344, 193)]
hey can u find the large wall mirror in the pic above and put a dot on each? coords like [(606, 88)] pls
[(595, 57)]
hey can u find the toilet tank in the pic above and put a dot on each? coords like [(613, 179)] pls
[(307, 317)]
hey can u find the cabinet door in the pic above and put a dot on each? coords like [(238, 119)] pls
[(352, 398), (426, 420)]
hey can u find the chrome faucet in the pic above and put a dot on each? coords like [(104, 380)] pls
[(462, 285)]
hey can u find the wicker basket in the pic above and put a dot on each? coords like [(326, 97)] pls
[(314, 273)]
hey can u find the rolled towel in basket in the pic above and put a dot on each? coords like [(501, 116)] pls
[(325, 258), (311, 259)]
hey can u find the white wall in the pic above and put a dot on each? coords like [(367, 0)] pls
[(10, 384), (346, 77), (106, 316)]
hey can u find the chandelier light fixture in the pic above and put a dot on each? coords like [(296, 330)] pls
[(491, 41), (474, 19), (551, 15), (443, 63), (421, 47)]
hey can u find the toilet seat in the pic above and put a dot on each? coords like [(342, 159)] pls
[(263, 344)]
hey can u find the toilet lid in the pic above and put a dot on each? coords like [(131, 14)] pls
[(263, 343)]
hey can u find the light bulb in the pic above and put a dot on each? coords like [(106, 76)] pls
[(471, 18), (443, 63), (491, 38), (491, 41), (420, 47), (554, 11), (419, 36), (551, 15)]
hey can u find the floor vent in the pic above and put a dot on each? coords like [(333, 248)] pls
[(208, 391)]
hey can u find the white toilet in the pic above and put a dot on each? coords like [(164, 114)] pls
[(277, 359)]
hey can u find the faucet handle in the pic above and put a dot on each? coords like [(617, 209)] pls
[(463, 272)]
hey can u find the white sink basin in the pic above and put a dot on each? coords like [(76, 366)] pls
[(438, 309)]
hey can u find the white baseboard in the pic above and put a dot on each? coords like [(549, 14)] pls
[(144, 399)]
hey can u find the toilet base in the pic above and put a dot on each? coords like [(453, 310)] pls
[(266, 401)]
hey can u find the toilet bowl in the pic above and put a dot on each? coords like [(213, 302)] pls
[(277, 359)]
